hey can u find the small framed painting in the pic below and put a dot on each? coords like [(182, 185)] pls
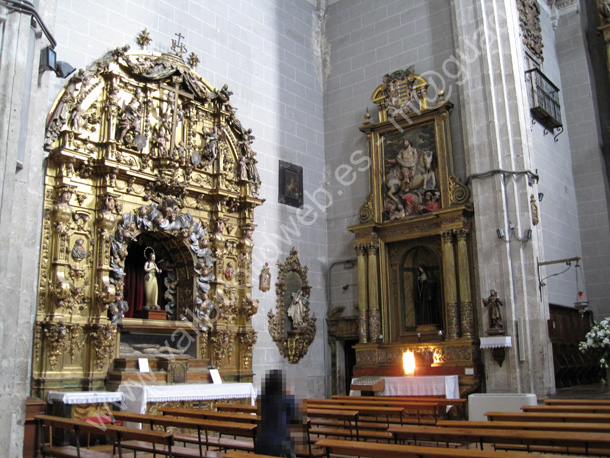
[(291, 184)]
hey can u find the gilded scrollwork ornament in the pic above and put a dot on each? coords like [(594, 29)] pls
[(103, 338), (292, 310), (247, 340), (222, 341), (56, 337)]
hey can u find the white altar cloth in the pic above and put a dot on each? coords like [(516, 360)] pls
[(83, 397), (433, 385), (137, 396)]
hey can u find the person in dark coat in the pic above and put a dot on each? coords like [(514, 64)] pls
[(277, 410)]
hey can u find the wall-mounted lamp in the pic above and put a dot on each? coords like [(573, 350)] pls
[(48, 61), (540, 196), (527, 235)]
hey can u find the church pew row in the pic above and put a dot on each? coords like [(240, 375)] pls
[(459, 404), (203, 427), (375, 450), (205, 414), (522, 425), (568, 442), (403, 412), (567, 408), (577, 402), (342, 424), (305, 450), (549, 416), (161, 442), (224, 407)]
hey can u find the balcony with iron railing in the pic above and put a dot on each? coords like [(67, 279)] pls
[(544, 101)]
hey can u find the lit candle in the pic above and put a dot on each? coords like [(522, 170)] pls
[(408, 362)]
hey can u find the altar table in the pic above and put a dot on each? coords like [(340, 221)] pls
[(432, 385), (136, 397)]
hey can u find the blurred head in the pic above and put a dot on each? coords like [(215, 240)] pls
[(273, 383)]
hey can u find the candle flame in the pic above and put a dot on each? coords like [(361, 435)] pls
[(408, 362)]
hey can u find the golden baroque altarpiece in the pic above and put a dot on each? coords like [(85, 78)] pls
[(413, 241), (145, 157)]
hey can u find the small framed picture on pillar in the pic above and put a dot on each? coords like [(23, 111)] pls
[(291, 184)]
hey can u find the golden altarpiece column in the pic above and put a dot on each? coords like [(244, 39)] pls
[(147, 245), (413, 241)]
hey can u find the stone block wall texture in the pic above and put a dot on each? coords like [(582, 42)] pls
[(559, 222), (366, 41), (588, 167), (263, 50)]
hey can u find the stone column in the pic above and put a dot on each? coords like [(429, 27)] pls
[(466, 308), (363, 298), (374, 315), (450, 287), (492, 87)]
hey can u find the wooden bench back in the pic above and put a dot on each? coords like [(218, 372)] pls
[(116, 433), (346, 415), (577, 402), (568, 408), (381, 450), (549, 416), (224, 427), (204, 414), (222, 407), (543, 425), (528, 437), (440, 399)]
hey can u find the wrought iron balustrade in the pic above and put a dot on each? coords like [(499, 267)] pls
[(544, 101)]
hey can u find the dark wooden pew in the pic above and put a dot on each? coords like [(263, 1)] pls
[(577, 402), (201, 426), (374, 450), (549, 416), (210, 414), (521, 425), (588, 408), (420, 410), (586, 443), (223, 407), (159, 441), (460, 404)]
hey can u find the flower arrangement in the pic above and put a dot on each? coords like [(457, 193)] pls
[(598, 339)]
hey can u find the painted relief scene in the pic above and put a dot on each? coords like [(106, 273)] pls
[(410, 170)]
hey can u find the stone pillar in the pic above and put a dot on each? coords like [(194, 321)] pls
[(466, 308), (450, 287), (374, 315), (363, 298), (22, 100), (492, 87)]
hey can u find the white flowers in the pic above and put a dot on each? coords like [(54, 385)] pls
[(598, 338)]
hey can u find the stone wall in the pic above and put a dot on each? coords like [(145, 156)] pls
[(368, 40), (588, 166)]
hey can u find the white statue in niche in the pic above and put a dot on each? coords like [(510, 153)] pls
[(296, 310)]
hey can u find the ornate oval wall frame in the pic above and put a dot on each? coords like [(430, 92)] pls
[(291, 328)]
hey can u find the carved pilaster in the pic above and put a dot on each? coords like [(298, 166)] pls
[(363, 301), (373, 282), (222, 342), (466, 307), (451, 305), (247, 340)]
